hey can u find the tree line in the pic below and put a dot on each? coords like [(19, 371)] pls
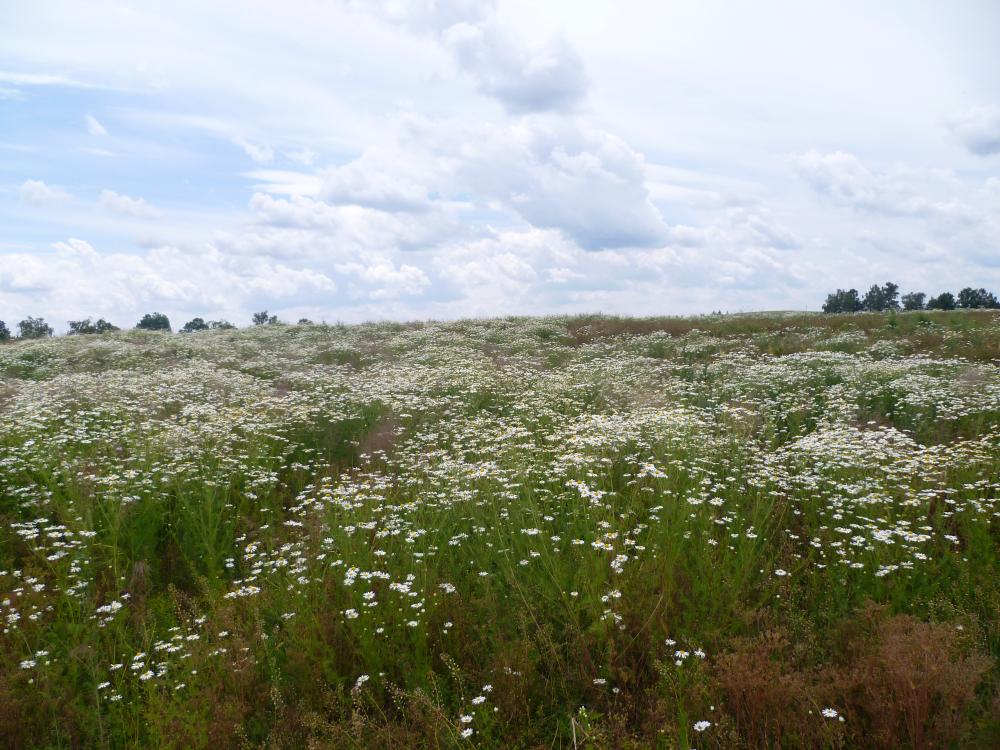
[(887, 297), (37, 328)]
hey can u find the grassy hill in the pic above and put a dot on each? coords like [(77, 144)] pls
[(722, 532)]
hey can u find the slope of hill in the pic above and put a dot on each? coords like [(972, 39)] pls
[(731, 531)]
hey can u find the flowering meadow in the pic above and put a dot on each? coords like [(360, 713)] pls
[(561, 532)]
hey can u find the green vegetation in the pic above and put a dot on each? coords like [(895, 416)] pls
[(886, 297), (725, 532)]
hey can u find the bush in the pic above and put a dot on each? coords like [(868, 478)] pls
[(843, 301), (974, 299), (195, 324), (4, 332), (944, 301), (882, 298), (154, 322), (262, 318), (87, 326), (34, 328)]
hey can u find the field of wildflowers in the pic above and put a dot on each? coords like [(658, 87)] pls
[(563, 532)]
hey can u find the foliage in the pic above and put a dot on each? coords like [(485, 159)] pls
[(89, 326), (740, 531), (970, 298), (4, 332), (34, 328), (195, 324), (944, 301), (843, 301), (262, 318), (914, 300), (154, 322), (881, 298)]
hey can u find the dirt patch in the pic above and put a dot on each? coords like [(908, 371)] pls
[(381, 438)]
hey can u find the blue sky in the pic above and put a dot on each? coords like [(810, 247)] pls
[(437, 159)]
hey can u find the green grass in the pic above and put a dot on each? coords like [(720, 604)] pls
[(560, 532)]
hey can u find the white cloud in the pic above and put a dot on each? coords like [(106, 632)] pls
[(44, 79), (385, 279), (74, 280), (259, 152), (286, 182), (305, 156), (40, 194), (978, 130), (524, 79), (454, 157), (94, 127), (923, 194), (375, 181), (429, 15), (126, 206)]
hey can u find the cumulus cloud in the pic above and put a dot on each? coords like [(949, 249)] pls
[(75, 279), (126, 206), (552, 172), (979, 130), (461, 175), (387, 279), (524, 78), (901, 193), (312, 228), (40, 194), (94, 127), (374, 180)]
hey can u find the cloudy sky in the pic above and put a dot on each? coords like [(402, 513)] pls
[(371, 159)]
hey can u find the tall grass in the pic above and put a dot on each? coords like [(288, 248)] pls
[(563, 532)]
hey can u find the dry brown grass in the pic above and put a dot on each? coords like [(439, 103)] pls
[(899, 683)]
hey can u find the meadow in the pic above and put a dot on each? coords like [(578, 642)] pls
[(778, 530)]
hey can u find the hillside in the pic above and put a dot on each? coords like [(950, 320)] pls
[(730, 531)]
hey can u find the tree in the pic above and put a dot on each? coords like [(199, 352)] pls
[(89, 326), (154, 322), (263, 319), (224, 325), (842, 301), (914, 301), (305, 322), (944, 301), (34, 328), (882, 298), (4, 332), (195, 324), (973, 299)]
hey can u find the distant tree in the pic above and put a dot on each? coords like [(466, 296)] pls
[(973, 299), (882, 298), (154, 322), (305, 322), (914, 301), (34, 328), (944, 301), (89, 326), (842, 301), (221, 324), (263, 319), (4, 332), (195, 324)]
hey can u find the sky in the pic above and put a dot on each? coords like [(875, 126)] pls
[(352, 160)]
